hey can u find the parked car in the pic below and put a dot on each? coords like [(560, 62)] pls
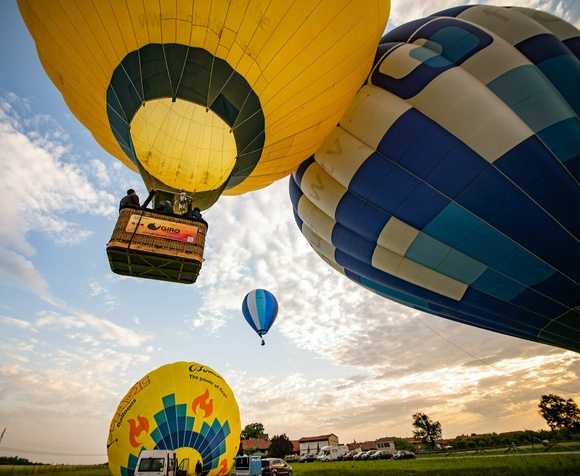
[(275, 467), (381, 454), (349, 456), (358, 456), (404, 454), (366, 454), (308, 458)]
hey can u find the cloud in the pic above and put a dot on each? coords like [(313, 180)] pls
[(40, 186)]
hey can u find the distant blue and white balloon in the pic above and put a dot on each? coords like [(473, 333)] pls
[(260, 309), (451, 184)]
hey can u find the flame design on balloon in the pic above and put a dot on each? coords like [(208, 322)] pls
[(204, 403), (136, 429)]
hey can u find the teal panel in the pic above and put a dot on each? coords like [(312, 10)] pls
[(498, 286), (456, 43), (531, 96), (562, 138), (453, 225), (525, 268), (427, 251), (461, 267), (487, 245)]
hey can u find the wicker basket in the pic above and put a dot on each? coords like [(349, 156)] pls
[(149, 244)]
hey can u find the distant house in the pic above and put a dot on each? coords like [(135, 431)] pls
[(312, 444), (295, 447), (387, 443), (360, 446), (258, 443)]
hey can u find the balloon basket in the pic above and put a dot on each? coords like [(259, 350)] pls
[(153, 245)]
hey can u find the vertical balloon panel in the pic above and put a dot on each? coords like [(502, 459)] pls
[(184, 406)]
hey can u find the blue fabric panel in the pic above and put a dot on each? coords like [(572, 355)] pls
[(390, 293), (487, 245), (456, 171), (564, 73), (477, 308), (361, 217), (356, 246), (427, 251), (541, 305), (295, 192), (393, 189), (563, 138), (412, 84), (573, 44), (555, 246), (561, 289), (369, 175), (453, 225), (519, 218), (460, 267), (411, 129), (573, 165), (429, 146), (496, 284), (532, 167), (525, 268), (421, 207), (488, 192), (529, 161), (541, 47)]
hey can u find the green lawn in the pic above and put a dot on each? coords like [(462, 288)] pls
[(514, 464), (519, 463)]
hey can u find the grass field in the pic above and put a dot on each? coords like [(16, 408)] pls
[(538, 464)]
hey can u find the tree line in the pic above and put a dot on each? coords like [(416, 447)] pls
[(561, 415)]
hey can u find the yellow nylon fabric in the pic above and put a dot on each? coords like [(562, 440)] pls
[(305, 61)]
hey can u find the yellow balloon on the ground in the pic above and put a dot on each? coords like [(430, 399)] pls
[(212, 97), (184, 406)]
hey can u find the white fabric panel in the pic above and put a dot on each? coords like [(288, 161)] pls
[(320, 224), (397, 236), (341, 155), (472, 113), (321, 189), (372, 112)]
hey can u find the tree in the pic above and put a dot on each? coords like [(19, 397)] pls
[(426, 429), (280, 446), (559, 413), (254, 430), (401, 444)]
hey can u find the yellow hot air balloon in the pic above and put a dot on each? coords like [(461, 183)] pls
[(185, 406), (202, 98), (207, 96)]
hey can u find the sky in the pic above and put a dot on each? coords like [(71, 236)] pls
[(339, 359)]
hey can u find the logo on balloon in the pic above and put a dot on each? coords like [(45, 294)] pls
[(204, 403), (135, 429)]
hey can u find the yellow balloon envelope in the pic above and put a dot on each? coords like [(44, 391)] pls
[(208, 96), (184, 406)]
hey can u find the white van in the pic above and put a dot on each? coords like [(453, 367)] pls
[(160, 463), (331, 453)]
